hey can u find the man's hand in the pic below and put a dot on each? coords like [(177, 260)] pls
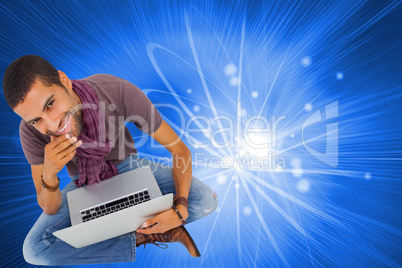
[(58, 152), (164, 221)]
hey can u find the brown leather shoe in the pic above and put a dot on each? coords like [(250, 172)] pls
[(178, 234)]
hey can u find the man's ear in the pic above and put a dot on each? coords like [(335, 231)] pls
[(66, 82)]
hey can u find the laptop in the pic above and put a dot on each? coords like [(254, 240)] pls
[(113, 207)]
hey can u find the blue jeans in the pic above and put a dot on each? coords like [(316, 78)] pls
[(42, 248)]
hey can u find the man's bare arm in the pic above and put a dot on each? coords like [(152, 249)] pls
[(181, 158), (182, 175), (48, 201)]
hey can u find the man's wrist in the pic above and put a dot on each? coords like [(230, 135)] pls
[(180, 200), (183, 211), (50, 180)]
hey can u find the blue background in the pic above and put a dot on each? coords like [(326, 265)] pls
[(298, 57)]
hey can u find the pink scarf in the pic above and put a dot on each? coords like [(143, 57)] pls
[(92, 164)]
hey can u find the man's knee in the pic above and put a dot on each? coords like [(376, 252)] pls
[(206, 200), (211, 203), (204, 205), (33, 248), (27, 250)]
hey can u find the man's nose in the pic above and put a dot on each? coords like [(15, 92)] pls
[(52, 123)]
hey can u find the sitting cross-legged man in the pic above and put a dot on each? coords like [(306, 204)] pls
[(80, 124)]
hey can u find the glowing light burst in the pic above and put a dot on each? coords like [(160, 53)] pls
[(256, 92), (243, 175)]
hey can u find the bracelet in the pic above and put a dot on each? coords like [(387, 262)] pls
[(47, 187), (178, 214), (181, 201)]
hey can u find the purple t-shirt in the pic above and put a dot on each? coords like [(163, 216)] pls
[(121, 102)]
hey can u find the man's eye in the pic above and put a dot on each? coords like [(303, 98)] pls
[(34, 122), (50, 104)]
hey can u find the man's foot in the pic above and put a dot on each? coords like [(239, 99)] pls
[(178, 234)]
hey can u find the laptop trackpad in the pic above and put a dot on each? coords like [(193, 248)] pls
[(110, 190)]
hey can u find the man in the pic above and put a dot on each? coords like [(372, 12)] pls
[(80, 124)]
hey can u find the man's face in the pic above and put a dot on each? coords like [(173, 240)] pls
[(53, 110)]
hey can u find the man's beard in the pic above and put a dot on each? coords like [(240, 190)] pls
[(76, 123)]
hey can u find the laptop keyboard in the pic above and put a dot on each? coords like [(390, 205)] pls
[(116, 205)]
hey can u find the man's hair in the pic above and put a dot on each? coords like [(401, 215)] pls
[(22, 73)]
